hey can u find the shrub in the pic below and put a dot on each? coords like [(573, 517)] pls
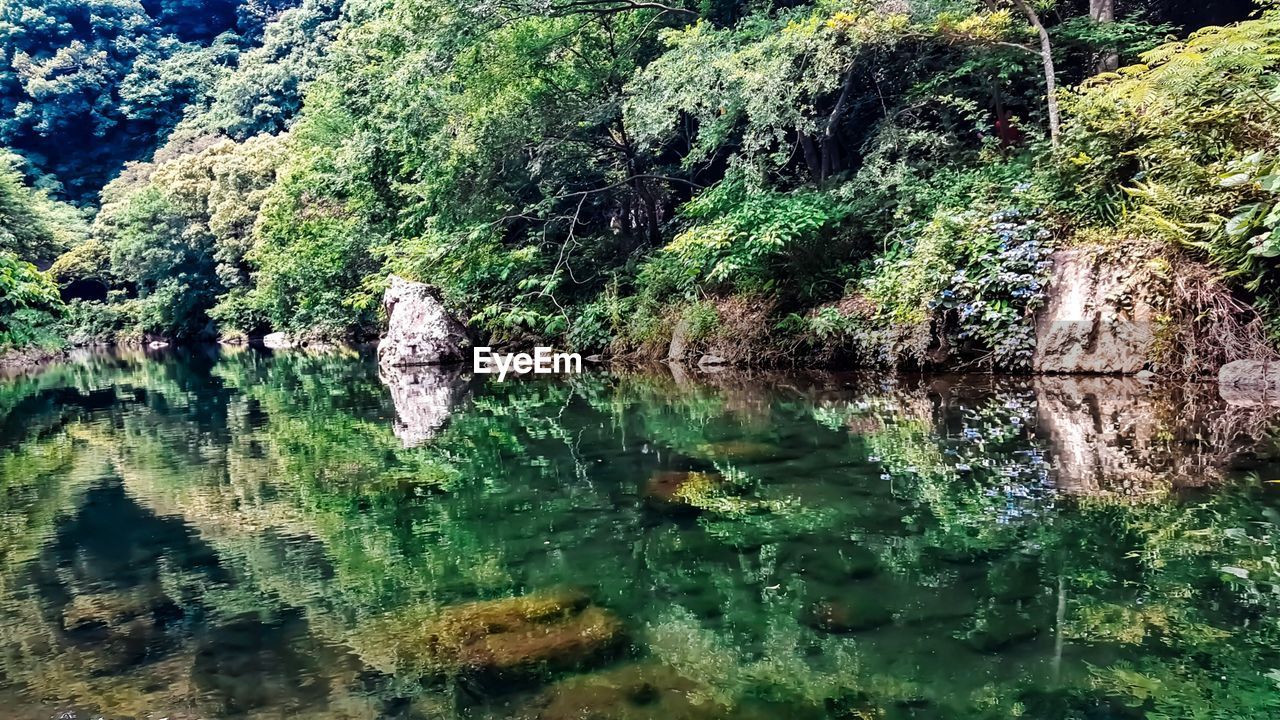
[(29, 303), (98, 323), (968, 282), (746, 238)]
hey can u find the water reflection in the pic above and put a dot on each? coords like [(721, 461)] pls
[(247, 535)]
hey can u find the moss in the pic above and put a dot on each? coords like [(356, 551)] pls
[(738, 450), (510, 638)]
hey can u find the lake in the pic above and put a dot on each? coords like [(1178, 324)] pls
[(236, 534)]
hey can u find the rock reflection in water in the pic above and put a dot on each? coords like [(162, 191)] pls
[(424, 397), (268, 536), (1120, 436)]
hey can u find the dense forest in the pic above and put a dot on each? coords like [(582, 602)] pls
[(880, 181)]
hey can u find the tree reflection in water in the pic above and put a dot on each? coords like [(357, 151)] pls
[(254, 535)]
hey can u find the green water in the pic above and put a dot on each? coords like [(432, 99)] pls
[(205, 535)]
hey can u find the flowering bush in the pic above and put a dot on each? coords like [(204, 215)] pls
[(1001, 277), (965, 283)]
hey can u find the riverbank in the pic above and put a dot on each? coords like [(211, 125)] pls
[(28, 358)]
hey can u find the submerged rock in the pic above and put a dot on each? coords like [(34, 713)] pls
[(109, 608), (117, 630), (424, 398), (631, 692), (419, 329), (833, 565), (1086, 327), (517, 638), (1001, 628), (738, 450), (855, 613), (678, 492)]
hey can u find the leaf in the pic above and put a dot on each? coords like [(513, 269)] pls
[(1239, 226), (1273, 218), (1265, 245), (1236, 571), (1236, 180)]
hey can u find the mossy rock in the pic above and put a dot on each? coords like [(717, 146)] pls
[(641, 691), (118, 629), (112, 608), (517, 638), (692, 493), (739, 450), (677, 493), (850, 614)]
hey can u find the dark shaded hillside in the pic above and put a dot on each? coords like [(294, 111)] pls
[(88, 86)]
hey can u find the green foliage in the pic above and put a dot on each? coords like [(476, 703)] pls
[(1187, 135), (264, 91), (762, 83), (1247, 240), (173, 269), (312, 256), (969, 280), (703, 320), (102, 323), (747, 238), (594, 175), (32, 225), (86, 84), (29, 302)]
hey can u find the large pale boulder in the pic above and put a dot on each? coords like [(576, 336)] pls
[(279, 341), (1250, 383), (679, 346), (419, 329), (1097, 319)]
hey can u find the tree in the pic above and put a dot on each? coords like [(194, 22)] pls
[(32, 226), (1050, 72), (1104, 11)]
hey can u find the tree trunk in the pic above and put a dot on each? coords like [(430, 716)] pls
[(1104, 11), (1050, 75), (811, 158), (830, 147)]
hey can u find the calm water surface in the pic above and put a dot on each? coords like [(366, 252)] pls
[(242, 535)]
